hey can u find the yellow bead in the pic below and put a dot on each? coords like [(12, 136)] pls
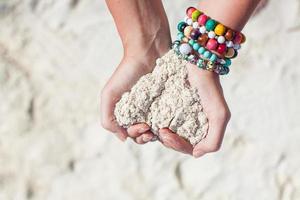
[(195, 15), (220, 29), (210, 66), (187, 31), (185, 39)]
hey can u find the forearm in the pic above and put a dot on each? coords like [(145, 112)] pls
[(140, 23), (232, 13)]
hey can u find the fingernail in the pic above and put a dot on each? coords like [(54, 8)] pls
[(143, 129), (147, 138), (154, 138)]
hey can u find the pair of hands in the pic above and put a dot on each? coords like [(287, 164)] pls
[(142, 61)]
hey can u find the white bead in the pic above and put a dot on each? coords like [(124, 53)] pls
[(185, 19), (202, 29), (185, 49), (195, 25), (221, 39), (222, 61), (211, 34), (236, 46), (189, 21), (229, 44)]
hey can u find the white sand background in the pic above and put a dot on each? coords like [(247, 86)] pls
[(55, 56)]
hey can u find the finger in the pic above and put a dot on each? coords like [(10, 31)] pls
[(120, 132), (213, 140), (171, 140), (144, 138), (137, 129), (107, 115)]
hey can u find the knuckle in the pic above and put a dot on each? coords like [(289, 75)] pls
[(224, 114)]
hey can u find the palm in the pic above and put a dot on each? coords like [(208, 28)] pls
[(126, 75), (210, 92), (214, 106)]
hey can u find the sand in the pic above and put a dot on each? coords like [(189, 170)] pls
[(164, 99), (56, 57)]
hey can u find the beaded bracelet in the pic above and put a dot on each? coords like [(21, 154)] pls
[(194, 15), (204, 52), (199, 26), (184, 50), (207, 43)]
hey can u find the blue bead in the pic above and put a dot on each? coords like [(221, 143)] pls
[(180, 36), (227, 62), (206, 54), (191, 42), (196, 46), (213, 57), (201, 50)]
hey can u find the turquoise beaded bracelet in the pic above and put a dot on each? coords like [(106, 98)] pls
[(184, 50)]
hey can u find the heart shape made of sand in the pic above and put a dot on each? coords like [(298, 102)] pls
[(164, 99)]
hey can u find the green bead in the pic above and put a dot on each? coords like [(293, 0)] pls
[(210, 25), (206, 54), (213, 57), (200, 63), (180, 36), (195, 15), (201, 50), (180, 26), (191, 42), (227, 62), (196, 46)]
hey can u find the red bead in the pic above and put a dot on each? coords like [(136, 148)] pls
[(212, 44), (221, 48), (238, 38), (202, 19), (189, 11)]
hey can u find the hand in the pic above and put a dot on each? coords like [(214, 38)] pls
[(137, 61), (214, 106)]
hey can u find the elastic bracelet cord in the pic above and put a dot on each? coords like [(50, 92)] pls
[(207, 43)]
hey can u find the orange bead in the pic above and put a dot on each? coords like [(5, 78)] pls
[(203, 39), (229, 35), (243, 38)]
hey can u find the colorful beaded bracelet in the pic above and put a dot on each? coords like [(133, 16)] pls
[(199, 26), (204, 52), (185, 51), (207, 43), (194, 15), (215, 43)]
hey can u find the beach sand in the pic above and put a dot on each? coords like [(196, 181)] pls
[(55, 56)]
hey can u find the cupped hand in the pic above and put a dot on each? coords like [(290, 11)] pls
[(215, 108), (136, 62)]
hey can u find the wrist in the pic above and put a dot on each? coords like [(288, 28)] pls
[(222, 12), (155, 43)]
